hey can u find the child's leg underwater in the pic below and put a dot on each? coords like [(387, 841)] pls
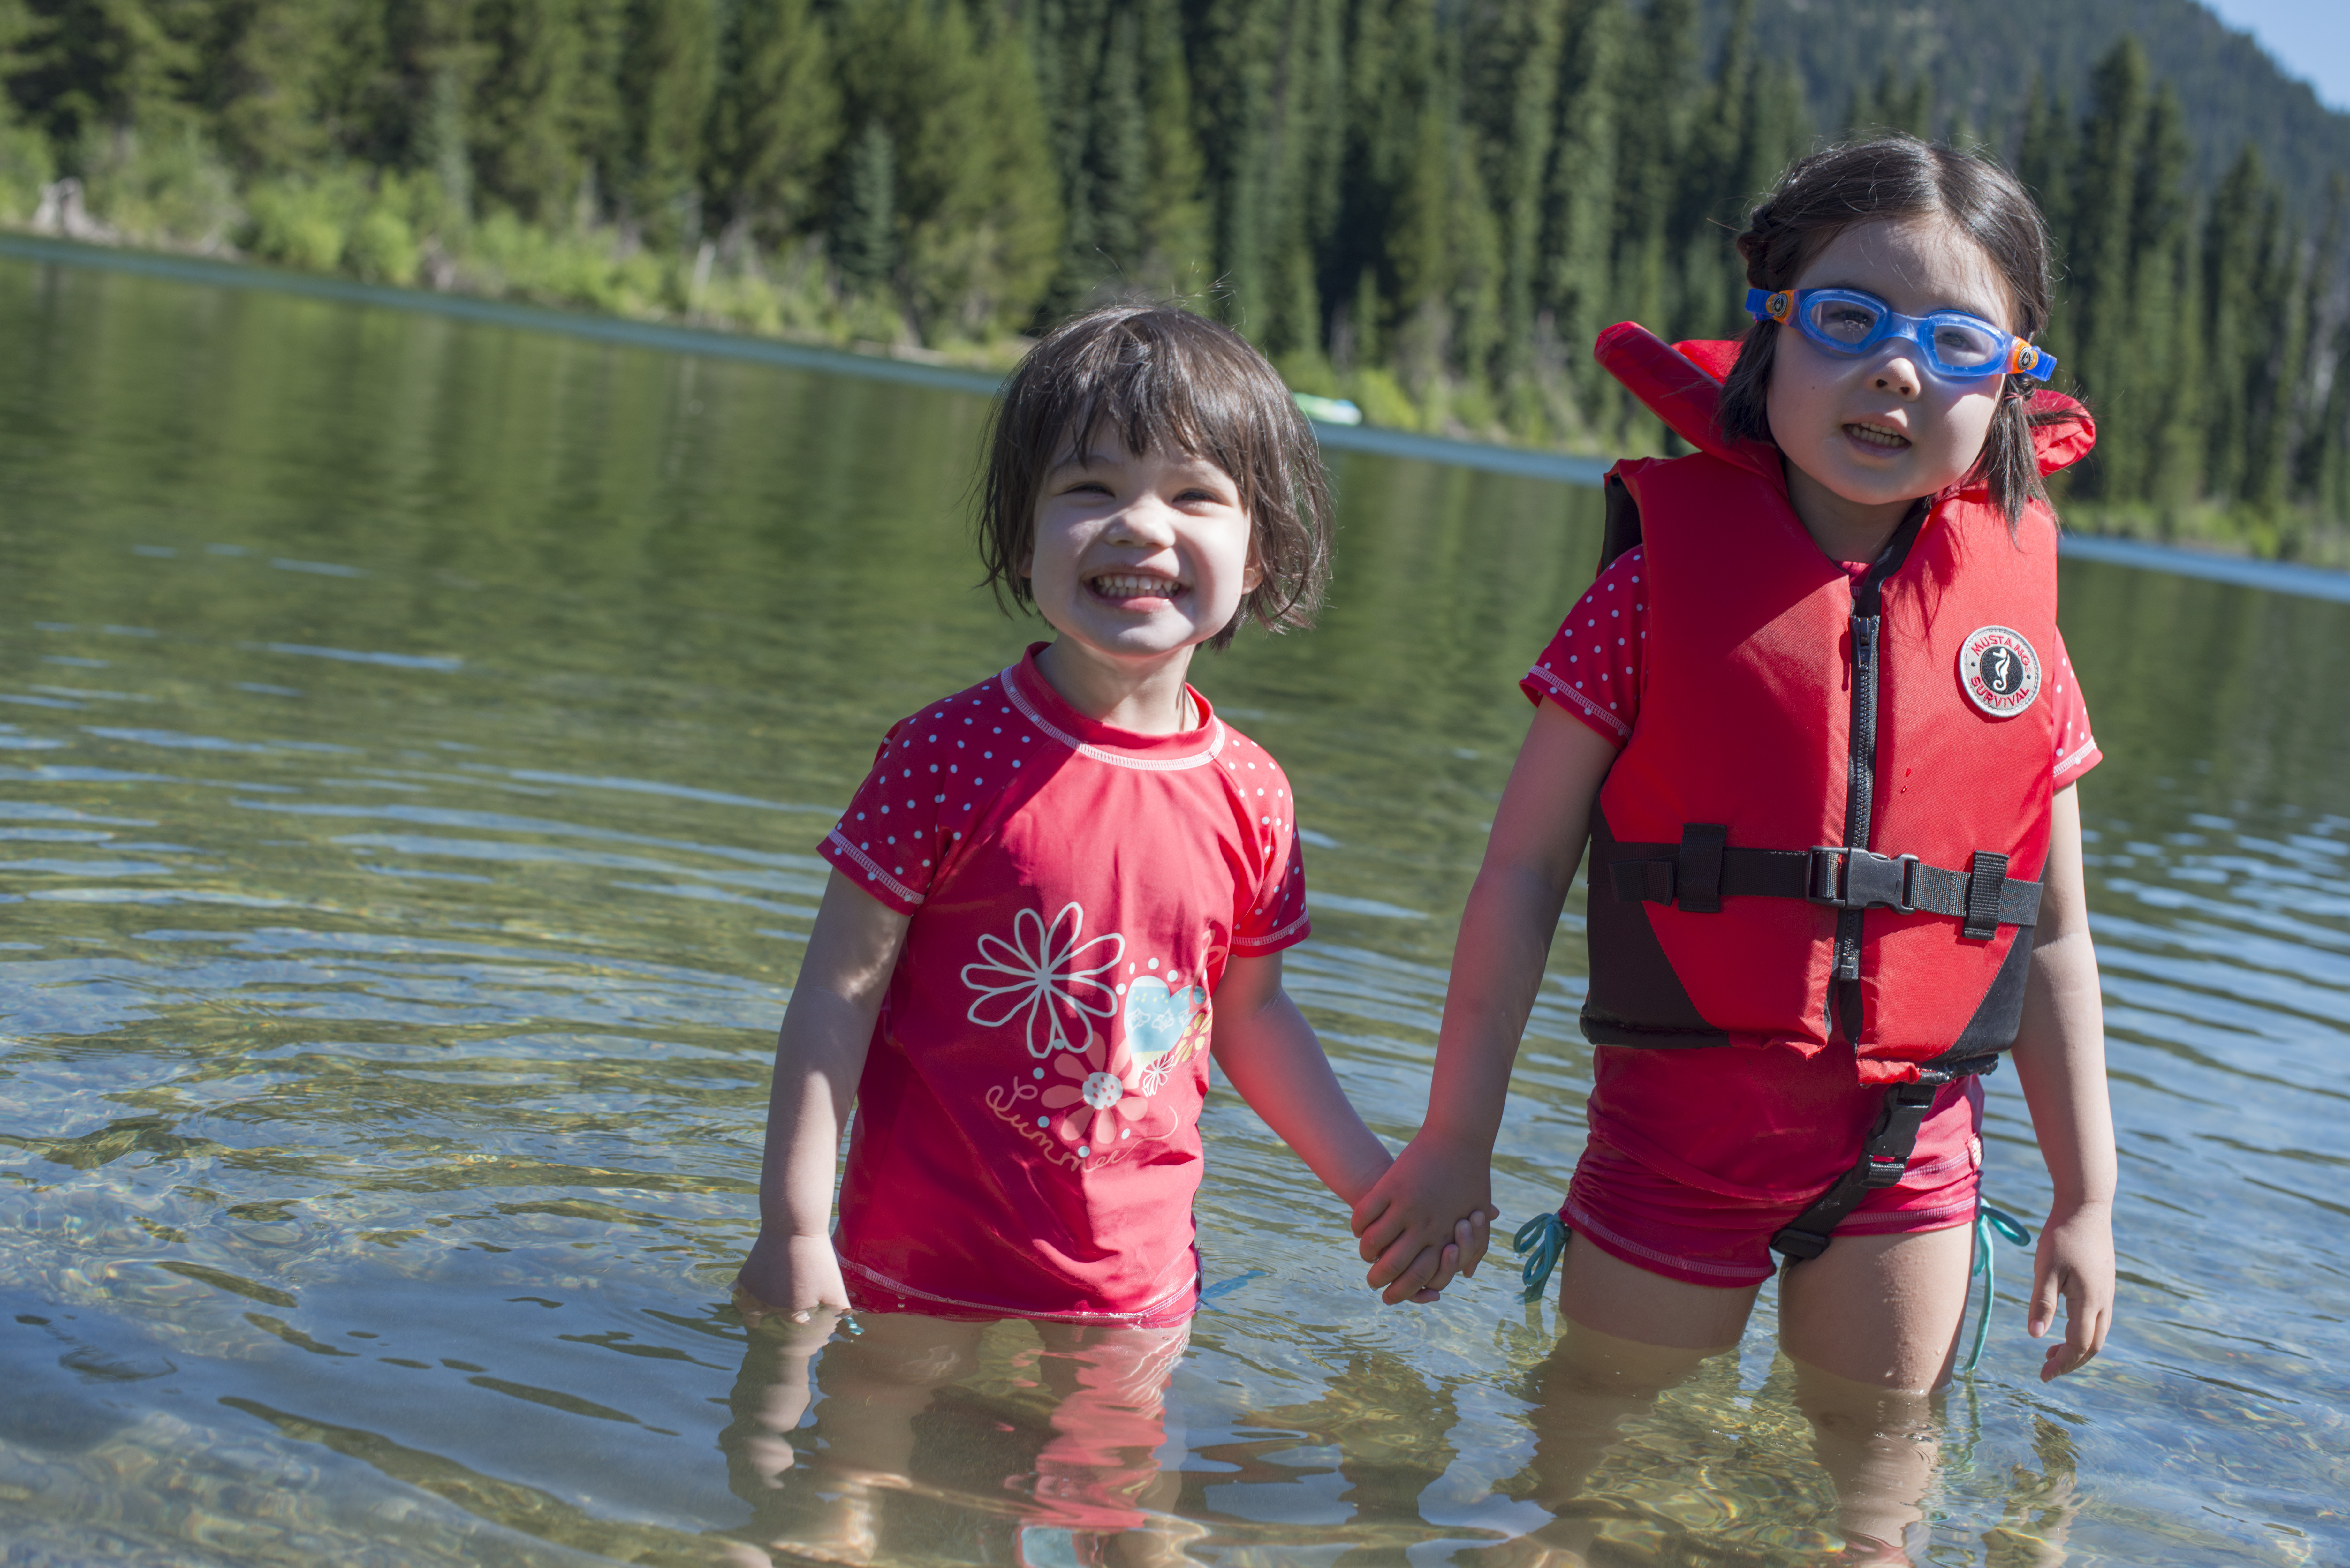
[(1872, 1325), (1628, 1335), (1100, 1476)]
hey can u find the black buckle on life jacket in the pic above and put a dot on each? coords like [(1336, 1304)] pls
[(1845, 879)]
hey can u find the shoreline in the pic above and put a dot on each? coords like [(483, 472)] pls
[(2240, 570)]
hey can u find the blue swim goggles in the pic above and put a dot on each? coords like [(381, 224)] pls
[(1956, 346)]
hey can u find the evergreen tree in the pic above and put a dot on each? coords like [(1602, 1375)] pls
[(524, 154), (1171, 223), (777, 119), (270, 60), (1576, 280), (978, 213), (864, 218), (85, 66), (2232, 255), (2099, 250), (670, 77), (1710, 163), (2161, 463), (2327, 310), (1660, 67), (1511, 71)]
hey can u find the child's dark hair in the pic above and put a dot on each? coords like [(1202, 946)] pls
[(1164, 380), (1891, 179)]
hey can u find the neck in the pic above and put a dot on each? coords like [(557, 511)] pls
[(1846, 530), (1145, 696)]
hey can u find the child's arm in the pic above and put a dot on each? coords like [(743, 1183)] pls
[(2060, 1059), (819, 1057), (1269, 1053), (1497, 966)]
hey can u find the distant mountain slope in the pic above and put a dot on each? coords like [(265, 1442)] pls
[(1982, 55)]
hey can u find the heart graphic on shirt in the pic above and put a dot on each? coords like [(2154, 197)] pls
[(1156, 1017)]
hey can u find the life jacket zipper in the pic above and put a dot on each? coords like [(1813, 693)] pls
[(1860, 781)]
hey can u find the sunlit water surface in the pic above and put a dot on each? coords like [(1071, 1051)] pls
[(413, 740)]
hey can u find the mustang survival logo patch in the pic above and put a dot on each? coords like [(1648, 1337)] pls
[(1999, 671)]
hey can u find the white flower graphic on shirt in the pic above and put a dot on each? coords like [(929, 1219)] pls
[(1042, 972)]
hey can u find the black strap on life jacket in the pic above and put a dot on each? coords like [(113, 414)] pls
[(1884, 1156), (1703, 868)]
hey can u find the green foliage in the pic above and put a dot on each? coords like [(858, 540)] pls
[(1431, 206), (26, 166)]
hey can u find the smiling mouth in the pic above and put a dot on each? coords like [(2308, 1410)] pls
[(1122, 587), (1882, 437)]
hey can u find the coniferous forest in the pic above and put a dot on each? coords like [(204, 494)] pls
[(1427, 206)]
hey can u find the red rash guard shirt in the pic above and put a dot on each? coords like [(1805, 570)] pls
[(1027, 1131), (1746, 1123)]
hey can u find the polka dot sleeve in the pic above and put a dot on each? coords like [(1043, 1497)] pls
[(1276, 916), (891, 839), (2076, 743), (1592, 667)]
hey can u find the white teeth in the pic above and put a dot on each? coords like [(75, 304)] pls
[(1876, 436), (1121, 587)]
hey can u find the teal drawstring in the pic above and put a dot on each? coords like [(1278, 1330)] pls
[(1989, 1222), (1544, 1237)]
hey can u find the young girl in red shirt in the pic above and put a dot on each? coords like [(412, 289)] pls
[(1817, 728), (1058, 894)]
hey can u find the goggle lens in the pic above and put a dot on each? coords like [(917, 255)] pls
[(1964, 345), (1843, 320)]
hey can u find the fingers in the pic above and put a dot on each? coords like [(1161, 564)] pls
[(2047, 1284), (1414, 1277), (1479, 1237), (2085, 1324), (1380, 1232), (1449, 1263), (1373, 1204)]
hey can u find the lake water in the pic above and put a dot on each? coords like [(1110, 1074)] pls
[(414, 735)]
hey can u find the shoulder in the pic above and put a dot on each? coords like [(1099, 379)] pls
[(1241, 760), (960, 711)]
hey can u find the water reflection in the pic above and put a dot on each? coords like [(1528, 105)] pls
[(415, 740)]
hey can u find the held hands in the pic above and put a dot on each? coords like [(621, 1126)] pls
[(2074, 1261), (1430, 1214)]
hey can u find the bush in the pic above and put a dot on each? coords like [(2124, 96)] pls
[(383, 248), (26, 165), (163, 187)]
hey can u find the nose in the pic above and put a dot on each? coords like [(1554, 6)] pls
[(1897, 374), (1145, 520)]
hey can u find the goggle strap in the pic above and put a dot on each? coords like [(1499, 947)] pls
[(2027, 360)]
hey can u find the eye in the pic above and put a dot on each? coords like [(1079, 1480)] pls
[(1958, 341), (1844, 320)]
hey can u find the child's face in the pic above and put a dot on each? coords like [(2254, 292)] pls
[(1140, 556), (1880, 430)]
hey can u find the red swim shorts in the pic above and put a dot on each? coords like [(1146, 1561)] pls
[(1678, 1222)]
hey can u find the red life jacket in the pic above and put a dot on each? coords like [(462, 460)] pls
[(1831, 816)]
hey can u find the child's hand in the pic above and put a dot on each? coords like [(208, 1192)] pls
[(2075, 1261), (796, 1277), (1468, 1240), (1432, 1201)]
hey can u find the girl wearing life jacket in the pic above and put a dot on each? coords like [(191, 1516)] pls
[(1815, 724)]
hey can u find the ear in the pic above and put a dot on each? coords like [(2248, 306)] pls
[(1026, 567), (1252, 575)]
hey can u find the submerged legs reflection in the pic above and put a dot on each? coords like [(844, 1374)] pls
[(1044, 1433), (1869, 1326)]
